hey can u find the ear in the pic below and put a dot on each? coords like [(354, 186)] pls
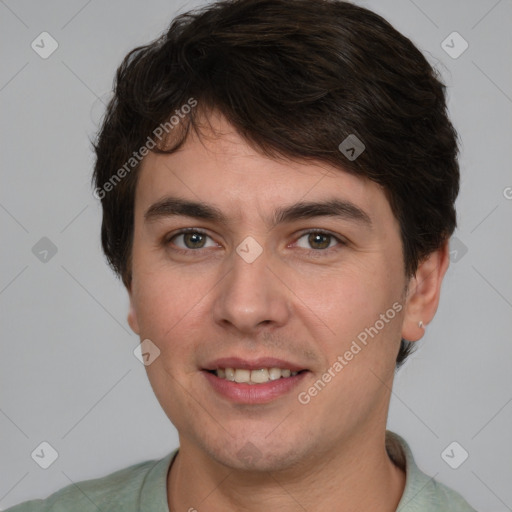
[(423, 293), (132, 316)]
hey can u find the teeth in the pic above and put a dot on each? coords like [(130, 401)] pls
[(274, 373), (259, 376), (242, 375), (253, 376)]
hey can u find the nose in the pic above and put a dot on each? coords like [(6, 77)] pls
[(251, 296)]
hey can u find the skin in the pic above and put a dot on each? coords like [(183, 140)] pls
[(297, 301)]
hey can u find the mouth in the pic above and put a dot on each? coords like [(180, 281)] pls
[(259, 376), (253, 382)]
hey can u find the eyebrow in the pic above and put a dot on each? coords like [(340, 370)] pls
[(339, 208)]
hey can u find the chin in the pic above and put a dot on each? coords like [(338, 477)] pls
[(258, 454)]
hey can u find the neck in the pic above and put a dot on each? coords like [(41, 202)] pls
[(359, 475)]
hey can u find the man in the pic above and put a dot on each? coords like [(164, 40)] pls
[(278, 180)]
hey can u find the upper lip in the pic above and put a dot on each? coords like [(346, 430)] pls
[(252, 364)]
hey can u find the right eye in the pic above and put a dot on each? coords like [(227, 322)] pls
[(190, 239)]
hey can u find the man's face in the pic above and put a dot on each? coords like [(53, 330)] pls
[(257, 290)]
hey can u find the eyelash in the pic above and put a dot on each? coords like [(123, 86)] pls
[(316, 252)]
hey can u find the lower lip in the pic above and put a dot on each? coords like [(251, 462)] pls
[(243, 393)]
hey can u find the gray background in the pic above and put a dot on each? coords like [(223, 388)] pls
[(67, 369)]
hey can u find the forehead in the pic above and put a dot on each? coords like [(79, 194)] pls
[(219, 167)]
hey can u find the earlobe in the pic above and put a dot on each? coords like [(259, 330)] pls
[(132, 318), (424, 292)]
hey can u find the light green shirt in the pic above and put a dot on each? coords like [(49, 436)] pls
[(143, 488)]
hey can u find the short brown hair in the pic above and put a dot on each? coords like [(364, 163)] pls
[(295, 78)]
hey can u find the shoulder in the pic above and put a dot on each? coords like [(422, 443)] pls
[(435, 497), (126, 490), (422, 493)]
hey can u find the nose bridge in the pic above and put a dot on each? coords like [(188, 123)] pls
[(250, 295)]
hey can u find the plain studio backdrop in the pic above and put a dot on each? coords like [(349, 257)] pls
[(68, 373)]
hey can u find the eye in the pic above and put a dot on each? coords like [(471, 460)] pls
[(318, 241), (190, 239)]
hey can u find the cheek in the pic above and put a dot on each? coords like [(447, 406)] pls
[(361, 311), (171, 308), (161, 304), (350, 299), (167, 307)]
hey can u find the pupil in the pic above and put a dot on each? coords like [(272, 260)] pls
[(194, 238), (315, 238)]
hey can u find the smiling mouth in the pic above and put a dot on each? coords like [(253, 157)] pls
[(259, 376)]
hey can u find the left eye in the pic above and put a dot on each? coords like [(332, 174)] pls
[(318, 240)]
